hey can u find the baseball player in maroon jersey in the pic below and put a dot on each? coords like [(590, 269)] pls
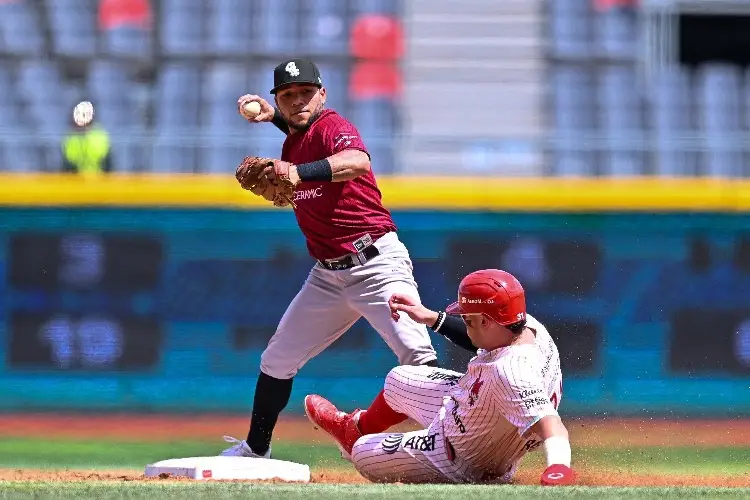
[(477, 425), (360, 261)]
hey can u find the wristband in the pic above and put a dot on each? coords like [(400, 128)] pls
[(279, 121), (439, 321), (315, 171)]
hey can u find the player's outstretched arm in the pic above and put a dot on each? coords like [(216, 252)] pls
[(556, 446), (450, 327)]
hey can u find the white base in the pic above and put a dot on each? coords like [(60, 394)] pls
[(206, 468)]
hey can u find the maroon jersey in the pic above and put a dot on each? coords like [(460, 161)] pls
[(332, 215)]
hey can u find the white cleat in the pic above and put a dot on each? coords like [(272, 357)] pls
[(241, 449)]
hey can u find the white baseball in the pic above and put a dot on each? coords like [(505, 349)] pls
[(83, 113), (251, 109)]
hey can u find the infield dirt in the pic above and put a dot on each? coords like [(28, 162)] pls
[(614, 433)]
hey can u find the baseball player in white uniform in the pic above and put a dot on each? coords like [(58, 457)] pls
[(477, 425)]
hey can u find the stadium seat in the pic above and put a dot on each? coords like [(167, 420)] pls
[(72, 25), (573, 118), (223, 83), (108, 81), (230, 27), (375, 117), (183, 28), (228, 133), (43, 78), (115, 13), (670, 118), (718, 98), (126, 27), (275, 27), (17, 153), (20, 29), (615, 33), (621, 121), (334, 80), (372, 80), (391, 7), (570, 25), (177, 123), (377, 36), (113, 93), (127, 41), (377, 122), (326, 29)]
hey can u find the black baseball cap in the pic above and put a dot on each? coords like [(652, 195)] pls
[(296, 71)]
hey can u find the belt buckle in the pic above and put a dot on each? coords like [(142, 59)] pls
[(337, 264)]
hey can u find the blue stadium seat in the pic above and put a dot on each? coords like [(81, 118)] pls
[(107, 79), (719, 108), (230, 27), (229, 133), (7, 91), (16, 153), (128, 41), (570, 25), (72, 23), (393, 7), (43, 78), (112, 91), (182, 27), (223, 83), (20, 29), (275, 27), (374, 117), (178, 95), (19, 153), (620, 120), (671, 119), (262, 79), (615, 33), (335, 80), (377, 122), (177, 112), (573, 118), (48, 118), (325, 30)]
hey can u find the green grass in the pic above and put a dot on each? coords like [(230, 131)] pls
[(36, 453), (41, 454), (102, 455), (235, 491)]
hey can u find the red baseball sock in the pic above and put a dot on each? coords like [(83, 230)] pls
[(379, 416)]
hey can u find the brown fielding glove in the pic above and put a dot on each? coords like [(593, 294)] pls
[(252, 174)]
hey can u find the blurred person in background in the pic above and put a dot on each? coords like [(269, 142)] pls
[(86, 150)]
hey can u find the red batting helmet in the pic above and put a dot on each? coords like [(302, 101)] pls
[(492, 292)]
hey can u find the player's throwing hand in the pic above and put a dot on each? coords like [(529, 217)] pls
[(412, 308), (558, 475), (266, 110)]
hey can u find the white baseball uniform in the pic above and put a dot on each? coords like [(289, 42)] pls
[(475, 422)]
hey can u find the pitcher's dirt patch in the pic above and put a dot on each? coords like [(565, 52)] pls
[(614, 433), (344, 476)]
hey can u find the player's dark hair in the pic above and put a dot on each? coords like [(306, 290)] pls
[(517, 327)]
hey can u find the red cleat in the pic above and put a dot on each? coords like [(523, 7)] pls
[(341, 426)]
